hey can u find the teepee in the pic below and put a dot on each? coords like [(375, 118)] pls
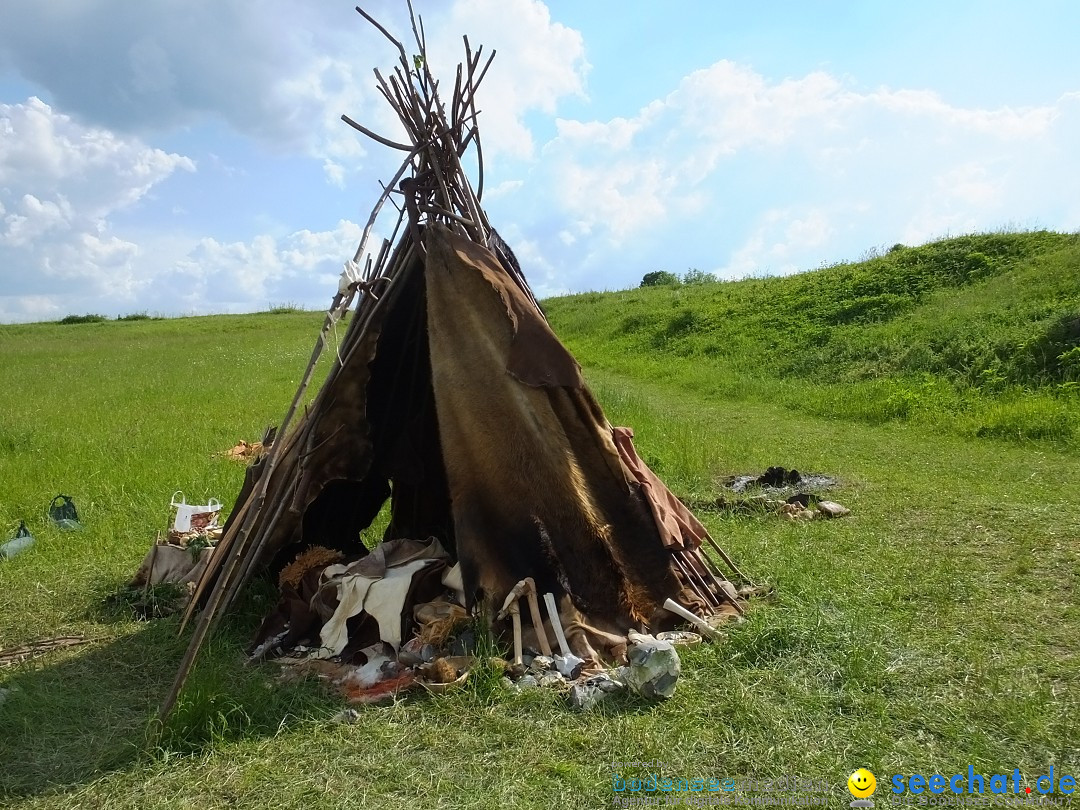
[(451, 397)]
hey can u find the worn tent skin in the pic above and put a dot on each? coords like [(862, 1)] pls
[(537, 485), (461, 401)]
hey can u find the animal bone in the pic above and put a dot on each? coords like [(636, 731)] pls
[(515, 617), (534, 612), (556, 624), (510, 605), (527, 588), (705, 628), (569, 666)]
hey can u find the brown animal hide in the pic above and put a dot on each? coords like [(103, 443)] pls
[(537, 485)]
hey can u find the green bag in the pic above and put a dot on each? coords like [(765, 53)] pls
[(63, 513)]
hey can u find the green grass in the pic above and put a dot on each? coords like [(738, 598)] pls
[(935, 628), (976, 335)]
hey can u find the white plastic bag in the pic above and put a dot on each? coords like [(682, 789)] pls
[(190, 516)]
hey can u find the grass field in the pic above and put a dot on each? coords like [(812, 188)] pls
[(935, 628)]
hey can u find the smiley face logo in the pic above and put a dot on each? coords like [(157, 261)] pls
[(862, 784)]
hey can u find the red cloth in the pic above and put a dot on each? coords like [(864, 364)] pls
[(677, 526)]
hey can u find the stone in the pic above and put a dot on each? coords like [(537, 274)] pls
[(541, 664), (346, 717), (464, 644), (586, 694), (551, 680), (832, 509), (653, 669)]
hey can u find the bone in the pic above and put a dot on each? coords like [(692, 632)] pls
[(511, 606), (515, 617), (534, 612), (705, 628), (511, 599), (527, 588), (556, 624), (569, 666)]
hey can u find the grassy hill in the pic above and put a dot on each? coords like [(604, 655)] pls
[(976, 334)]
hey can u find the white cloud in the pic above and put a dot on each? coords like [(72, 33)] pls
[(623, 197), (728, 109), (746, 174), (282, 72), (778, 240), (810, 231), (32, 218), (97, 170), (300, 267), (538, 62), (59, 184), (503, 188), (314, 98), (181, 275), (1005, 123)]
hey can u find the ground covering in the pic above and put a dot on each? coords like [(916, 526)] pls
[(935, 628)]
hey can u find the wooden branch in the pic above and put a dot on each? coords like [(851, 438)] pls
[(385, 33), (375, 136), (234, 559), (483, 72), (442, 212)]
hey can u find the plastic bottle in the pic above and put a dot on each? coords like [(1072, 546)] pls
[(20, 542)]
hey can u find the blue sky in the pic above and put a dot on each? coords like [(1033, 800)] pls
[(187, 157)]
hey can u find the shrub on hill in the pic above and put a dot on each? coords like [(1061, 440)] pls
[(659, 278), (83, 319), (695, 276)]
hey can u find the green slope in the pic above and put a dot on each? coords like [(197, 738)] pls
[(978, 333)]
